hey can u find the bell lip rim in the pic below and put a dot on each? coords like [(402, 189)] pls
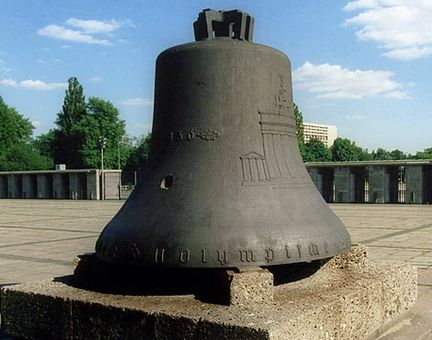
[(176, 266)]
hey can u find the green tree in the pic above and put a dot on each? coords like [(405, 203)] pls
[(397, 154), (316, 151), (16, 152), (426, 154), (68, 140), (345, 150), (381, 154), (14, 128), (298, 118), (43, 143), (74, 107), (102, 125), (139, 153), (23, 156)]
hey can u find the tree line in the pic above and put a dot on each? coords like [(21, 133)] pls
[(84, 127), (344, 149)]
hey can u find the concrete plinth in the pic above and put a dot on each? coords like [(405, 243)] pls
[(347, 298)]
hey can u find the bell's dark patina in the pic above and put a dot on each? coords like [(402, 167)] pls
[(226, 186)]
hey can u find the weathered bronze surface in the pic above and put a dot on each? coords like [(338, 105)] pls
[(226, 186)]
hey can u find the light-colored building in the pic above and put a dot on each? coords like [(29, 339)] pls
[(324, 133)]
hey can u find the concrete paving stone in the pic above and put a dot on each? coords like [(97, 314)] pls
[(421, 259), (59, 223), (42, 230), (404, 257), (425, 277), (418, 324)]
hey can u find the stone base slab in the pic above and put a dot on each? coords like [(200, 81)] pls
[(348, 298)]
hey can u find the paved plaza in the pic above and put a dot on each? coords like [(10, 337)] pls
[(40, 238)]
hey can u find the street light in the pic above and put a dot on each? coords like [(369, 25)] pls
[(122, 141), (102, 143)]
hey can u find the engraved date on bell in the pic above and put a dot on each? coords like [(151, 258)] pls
[(191, 134)]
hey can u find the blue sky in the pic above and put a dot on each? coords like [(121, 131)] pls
[(364, 66)]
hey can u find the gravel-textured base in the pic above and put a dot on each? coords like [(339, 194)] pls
[(346, 299)]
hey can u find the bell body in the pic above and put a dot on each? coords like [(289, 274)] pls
[(226, 186)]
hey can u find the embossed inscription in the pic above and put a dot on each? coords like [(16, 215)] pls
[(190, 135), (184, 256), (110, 251), (282, 97), (247, 256), (114, 252), (299, 250), (159, 256), (313, 249), (269, 255), (135, 250), (326, 247), (287, 251), (203, 256), (208, 134), (222, 256)]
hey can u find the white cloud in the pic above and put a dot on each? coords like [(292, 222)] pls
[(84, 31), (6, 69), (96, 79), (9, 82), (62, 33), (94, 26), (336, 82), (40, 85), (401, 27), (137, 102), (30, 84), (361, 4), (36, 123), (355, 117)]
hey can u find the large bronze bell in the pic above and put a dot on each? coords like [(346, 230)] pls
[(225, 186)]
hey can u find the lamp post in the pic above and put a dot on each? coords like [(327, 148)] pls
[(118, 154), (102, 142)]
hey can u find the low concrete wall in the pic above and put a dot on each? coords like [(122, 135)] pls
[(414, 184), (344, 185), (61, 184), (93, 186), (3, 186), (29, 186), (14, 184), (44, 186)]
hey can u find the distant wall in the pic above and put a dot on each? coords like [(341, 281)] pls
[(374, 181), (90, 184)]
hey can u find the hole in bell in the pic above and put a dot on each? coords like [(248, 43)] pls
[(166, 182)]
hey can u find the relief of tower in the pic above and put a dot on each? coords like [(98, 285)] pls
[(278, 133)]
